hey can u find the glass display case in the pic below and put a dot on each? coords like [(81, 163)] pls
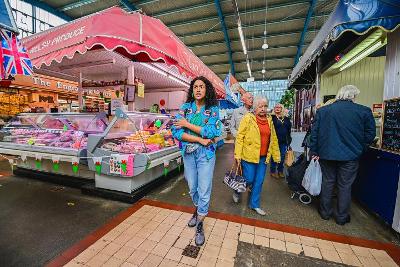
[(138, 133), (135, 144), (54, 133)]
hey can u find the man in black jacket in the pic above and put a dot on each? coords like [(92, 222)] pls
[(342, 131)]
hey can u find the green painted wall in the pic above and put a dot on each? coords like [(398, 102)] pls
[(367, 75)]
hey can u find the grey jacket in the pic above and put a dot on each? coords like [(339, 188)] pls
[(237, 116)]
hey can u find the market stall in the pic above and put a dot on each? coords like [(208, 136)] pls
[(51, 142), (359, 45), (136, 61)]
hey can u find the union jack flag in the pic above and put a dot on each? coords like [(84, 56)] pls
[(15, 59)]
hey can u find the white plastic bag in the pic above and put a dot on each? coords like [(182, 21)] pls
[(313, 178)]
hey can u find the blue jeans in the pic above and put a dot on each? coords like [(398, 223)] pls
[(282, 149), (254, 174), (199, 175)]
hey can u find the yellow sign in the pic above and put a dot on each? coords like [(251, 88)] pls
[(140, 87)]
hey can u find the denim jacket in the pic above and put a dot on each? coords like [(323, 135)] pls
[(211, 126)]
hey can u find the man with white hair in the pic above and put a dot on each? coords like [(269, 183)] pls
[(341, 132), (239, 113)]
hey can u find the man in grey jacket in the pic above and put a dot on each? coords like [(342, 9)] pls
[(238, 113)]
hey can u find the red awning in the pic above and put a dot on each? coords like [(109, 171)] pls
[(133, 35)]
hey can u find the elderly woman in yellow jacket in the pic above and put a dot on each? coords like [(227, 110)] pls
[(256, 143)]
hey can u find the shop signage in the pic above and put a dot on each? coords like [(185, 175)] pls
[(140, 87), (58, 39), (45, 82)]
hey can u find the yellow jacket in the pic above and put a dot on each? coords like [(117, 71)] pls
[(248, 141)]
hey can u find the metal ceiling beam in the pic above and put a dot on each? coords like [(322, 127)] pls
[(128, 5), (280, 21), (255, 60), (226, 36), (257, 70), (211, 18), (147, 2), (303, 33), (174, 11), (48, 8), (259, 37), (76, 4), (249, 51)]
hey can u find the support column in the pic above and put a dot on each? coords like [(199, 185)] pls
[(392, 67), (131, 80), (80, 92)]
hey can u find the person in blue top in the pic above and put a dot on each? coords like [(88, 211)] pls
[(196, 126)]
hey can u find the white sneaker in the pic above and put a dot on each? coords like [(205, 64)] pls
[(260, 211)]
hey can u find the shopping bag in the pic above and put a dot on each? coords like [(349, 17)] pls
[(235, 180), (289, 157), (313, 178)]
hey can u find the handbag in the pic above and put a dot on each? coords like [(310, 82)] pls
[(235, 180), (289, 157)]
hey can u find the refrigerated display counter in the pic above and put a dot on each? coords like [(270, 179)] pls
[(134, 150), (51, 142)]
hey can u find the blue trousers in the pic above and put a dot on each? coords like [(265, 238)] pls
[(282, 149), (199, 173), (254, 174)]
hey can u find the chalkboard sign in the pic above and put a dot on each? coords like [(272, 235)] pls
[(391, 125)]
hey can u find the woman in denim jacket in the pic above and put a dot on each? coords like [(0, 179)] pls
[(196, 126)]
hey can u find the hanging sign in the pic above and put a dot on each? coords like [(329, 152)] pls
[(140, 87), (97, 163)]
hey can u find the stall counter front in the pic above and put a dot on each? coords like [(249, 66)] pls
[(378, 183), (134, 150)]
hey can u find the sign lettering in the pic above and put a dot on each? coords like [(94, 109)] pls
[(58, 39)]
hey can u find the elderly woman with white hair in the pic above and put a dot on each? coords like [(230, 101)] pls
[(341, 132), (256, 143), (283, 128)]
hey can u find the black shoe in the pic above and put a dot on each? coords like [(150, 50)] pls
[(347, 220), (323, 217), (193, 221), (199, 239)]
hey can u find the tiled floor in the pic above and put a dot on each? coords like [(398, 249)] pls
[(154, 236)]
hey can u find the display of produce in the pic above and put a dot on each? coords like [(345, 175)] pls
[(52, 130)]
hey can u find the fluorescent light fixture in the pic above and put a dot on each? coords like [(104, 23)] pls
[(177, 80), (242, 38), (248, 68), (362, 55), (149, 66), (89, 64), (164, 73)]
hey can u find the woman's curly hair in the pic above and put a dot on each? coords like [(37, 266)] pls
[(211, 96)]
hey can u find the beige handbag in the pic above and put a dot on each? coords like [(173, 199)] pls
[(289, 157)]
